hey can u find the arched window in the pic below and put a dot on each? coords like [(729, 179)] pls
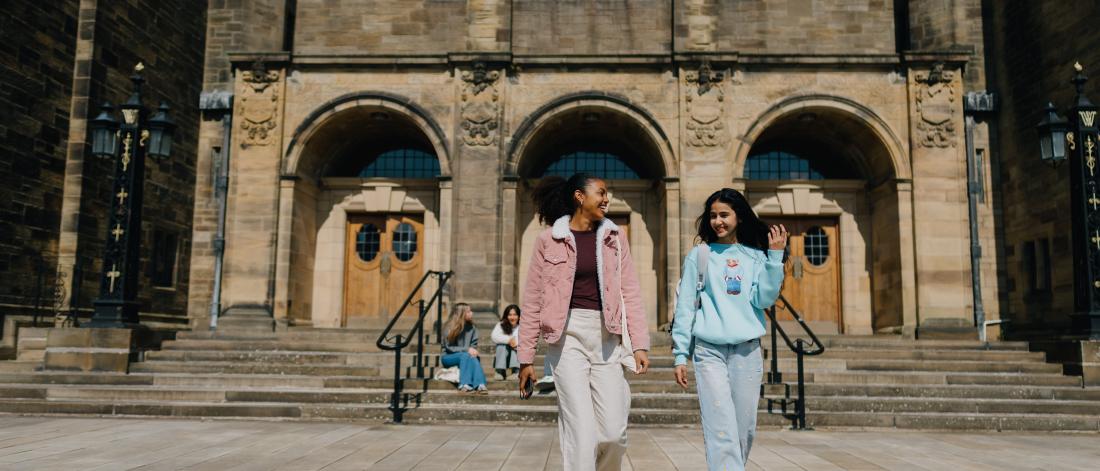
[(402, 163), (367, 242), (779, 165), (816, 245), (404, 242), (600, 164)]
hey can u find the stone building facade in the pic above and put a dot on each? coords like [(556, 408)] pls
[(372, 140), (1037, 45), (59, 61)]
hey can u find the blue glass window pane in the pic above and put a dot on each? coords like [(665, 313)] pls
[(402, 163), (779, 165), (600, 164), (367, 242), (404, 242), (816, 244)]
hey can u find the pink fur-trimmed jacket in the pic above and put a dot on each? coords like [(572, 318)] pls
[(549, 287)]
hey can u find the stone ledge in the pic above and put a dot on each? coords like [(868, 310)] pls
[(89, 349)]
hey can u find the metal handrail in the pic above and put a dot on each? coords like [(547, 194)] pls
[(813, 341), (799, 347), (399, 343)]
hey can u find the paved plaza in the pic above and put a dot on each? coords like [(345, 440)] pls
[(52, 443)]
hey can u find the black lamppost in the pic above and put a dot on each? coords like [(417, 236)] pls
[(1077, 140), (126, 143)]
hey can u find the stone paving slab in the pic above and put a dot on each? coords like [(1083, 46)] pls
[(51, 443)]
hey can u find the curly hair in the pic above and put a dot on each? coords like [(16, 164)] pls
[(553, 196)]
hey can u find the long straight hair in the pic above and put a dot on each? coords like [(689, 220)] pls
[(457, 322), (751, 231), (504, 324), (553, 196)]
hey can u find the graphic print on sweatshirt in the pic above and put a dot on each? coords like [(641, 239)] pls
[(733, 274)]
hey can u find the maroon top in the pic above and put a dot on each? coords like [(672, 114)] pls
[(586, 283)]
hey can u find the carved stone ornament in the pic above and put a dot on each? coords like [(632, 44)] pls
[(480, 106), (705, 97), (936, 107), (259, 101)]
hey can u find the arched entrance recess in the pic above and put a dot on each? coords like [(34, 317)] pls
[(834, 172), (610, 137), (362, 210)]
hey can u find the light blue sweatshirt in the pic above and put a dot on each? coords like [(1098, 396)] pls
[(741, 282)]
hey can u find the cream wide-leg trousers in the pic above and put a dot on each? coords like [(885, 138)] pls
[(593, 395)]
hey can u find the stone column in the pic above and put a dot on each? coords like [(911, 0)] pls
[(674, 255), (283, 250), (68, 244), (509, 266), (476, 249), (940, 213), (252, 217), (907, 258)]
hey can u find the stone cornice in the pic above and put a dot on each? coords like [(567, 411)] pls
[(955, 58), (660, 60), (246, 58)]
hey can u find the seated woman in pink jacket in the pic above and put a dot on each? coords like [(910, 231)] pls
[(580, 283)]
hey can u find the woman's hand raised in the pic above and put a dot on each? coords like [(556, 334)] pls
[(777, 237)]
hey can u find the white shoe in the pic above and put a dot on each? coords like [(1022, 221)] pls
[(545, 383), (499, 377)]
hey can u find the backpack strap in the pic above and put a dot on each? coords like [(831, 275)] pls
[(702, 256)]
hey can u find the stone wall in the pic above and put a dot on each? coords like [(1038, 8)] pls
[(577, 27), (802, 26), (380, 26), (247, 25), (166, 36), (36, 77), (1035, 45), (65, 58)]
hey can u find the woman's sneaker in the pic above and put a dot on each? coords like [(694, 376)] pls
[(482, 390), (546, 383), (465, 388)]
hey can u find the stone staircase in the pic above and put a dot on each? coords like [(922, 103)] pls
[(319, 374)]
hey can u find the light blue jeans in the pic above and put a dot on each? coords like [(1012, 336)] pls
[(469, 368), (728, 381)]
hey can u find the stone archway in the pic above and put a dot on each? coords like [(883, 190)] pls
[(859, 192), (644, 197), (323, 192)]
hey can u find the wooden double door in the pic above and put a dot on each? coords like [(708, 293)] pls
[(812, 281), (383, 261)]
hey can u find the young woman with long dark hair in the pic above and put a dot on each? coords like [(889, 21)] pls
[(719, 321), (506, 337), (581, 290)]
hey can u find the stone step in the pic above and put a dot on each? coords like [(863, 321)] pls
[(31, 355), (933, 355), (447, 413), (973, 392), (385, 360), (856, 341), (930, 378), (270, 344), (340, 335), (681, 401), (50, 377), (650, 384), (260, 368), (264, 356), (953, 366), (20, 365)]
